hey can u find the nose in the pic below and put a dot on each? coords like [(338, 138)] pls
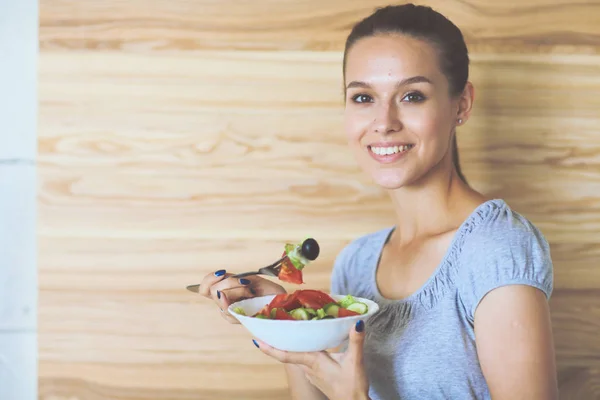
[(387, 119)]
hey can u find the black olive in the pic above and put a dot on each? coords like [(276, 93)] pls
[(310, 249)]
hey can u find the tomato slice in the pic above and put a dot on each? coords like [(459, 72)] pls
[(281, 314), (314, 298), (264, 311), (289, 273), (286, 301), (343, 312), (278, 300)]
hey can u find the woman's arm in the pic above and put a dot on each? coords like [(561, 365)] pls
[(515, 345), (300, 387)]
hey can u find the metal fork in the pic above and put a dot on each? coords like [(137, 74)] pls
[(270, 270)]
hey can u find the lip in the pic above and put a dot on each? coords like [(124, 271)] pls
[(388, 144), (388, 158)]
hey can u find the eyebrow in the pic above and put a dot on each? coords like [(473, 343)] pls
[(404, 82)]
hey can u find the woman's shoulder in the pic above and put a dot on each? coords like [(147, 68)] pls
[(495, 225), (502, 247)]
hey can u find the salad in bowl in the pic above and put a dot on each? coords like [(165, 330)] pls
[(303, 305), (306, 320)]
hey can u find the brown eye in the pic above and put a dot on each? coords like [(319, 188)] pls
[(414, 97), (362, 98)]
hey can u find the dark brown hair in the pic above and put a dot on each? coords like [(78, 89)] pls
[(421, 22)]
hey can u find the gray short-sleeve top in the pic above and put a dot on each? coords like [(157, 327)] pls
[(423, 346)]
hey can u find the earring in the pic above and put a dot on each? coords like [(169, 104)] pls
[(460, 121)]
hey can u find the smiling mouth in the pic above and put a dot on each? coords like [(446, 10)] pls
[(391, 150)]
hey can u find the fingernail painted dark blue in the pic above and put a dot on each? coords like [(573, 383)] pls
[(360, 326), (254, 341), (244, 281), (220, 272), (218, 294)]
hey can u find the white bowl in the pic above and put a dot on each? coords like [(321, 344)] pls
[(298, 335)]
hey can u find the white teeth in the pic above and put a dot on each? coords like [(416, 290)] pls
[(381, 151)]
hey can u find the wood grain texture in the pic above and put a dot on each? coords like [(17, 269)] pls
[(164, 153), (133, 25), (579, 383)]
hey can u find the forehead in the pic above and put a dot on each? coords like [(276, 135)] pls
[(392, 56)]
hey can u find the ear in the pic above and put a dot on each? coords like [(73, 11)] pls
[(465, 103)]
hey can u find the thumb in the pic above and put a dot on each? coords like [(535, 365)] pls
[(356, 341)]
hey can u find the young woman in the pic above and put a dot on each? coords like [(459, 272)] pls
[(463, 280)]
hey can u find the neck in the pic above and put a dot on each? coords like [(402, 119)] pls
[(433, 205)]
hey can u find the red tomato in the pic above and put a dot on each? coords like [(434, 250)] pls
[(313, 298), (289, 273), (278, 300), (285, 301), (264, 311), (281, 314), (342, 312)]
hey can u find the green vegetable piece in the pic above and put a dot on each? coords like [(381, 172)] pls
[(331, 309), (239, 310), (346, 301), (358, 307), (321, 313), (290, 248), (262, 316), (299, 313)]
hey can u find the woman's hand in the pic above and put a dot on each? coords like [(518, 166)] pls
[(340, 376), (224, 290)]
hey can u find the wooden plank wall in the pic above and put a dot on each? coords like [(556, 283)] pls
[(179, 137)]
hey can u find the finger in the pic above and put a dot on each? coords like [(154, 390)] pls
[(338, 357), (356, 342), (229, 318), (309, 376), (234, 290), (210, 279), (222, 300), (309, 373), (317, 378), (286, 357)]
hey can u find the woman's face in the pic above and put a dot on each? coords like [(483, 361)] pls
[(399, 116)]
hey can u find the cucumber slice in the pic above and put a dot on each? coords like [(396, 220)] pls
[(311, 311), (299, 313), (239, 310), (321, 313), (261, 316), (331, 309), (358, 307), (346, 301), (273, 311)]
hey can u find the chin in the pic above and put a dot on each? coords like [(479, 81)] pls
[(389, 179)]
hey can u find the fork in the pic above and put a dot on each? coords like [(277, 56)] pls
[(309, 249), (270, 270)]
